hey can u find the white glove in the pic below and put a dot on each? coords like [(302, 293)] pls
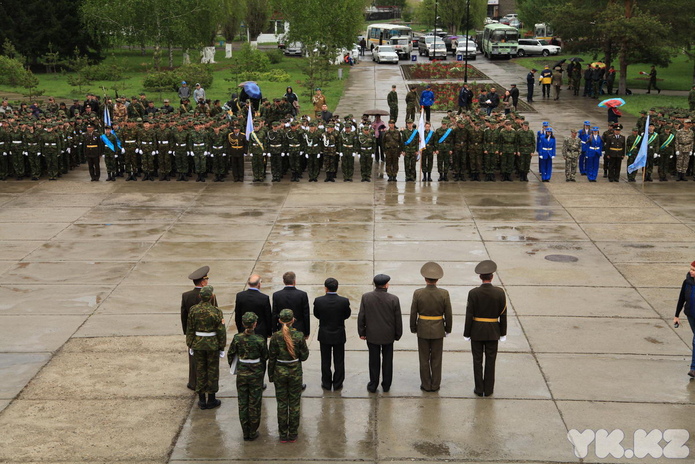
[(372, 156), (68, 150), (355, 155), (122, 151), (26, 153), (678, 152), (224, 154), (468, 339), (246, 154), (301, 153), (283, 154), (206, 153), (306, 156), (671, 157), (190, 351), (39, 154), (691, 153), (190, 153), (318, 156), (115, 156), (222, 354), (340, 154), (656, 155), (503, 338)]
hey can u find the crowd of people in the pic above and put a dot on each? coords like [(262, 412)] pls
[(276, 336)]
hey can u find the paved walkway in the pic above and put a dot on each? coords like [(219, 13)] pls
[(92, 362)]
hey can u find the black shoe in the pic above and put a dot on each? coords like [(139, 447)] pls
[(190, 387), (265, 385), (253, 436), (202, 403), (326, 387), (303, 386), (212, 402), (477, 393), (371, 389), (337, 387), (385, 389), (691, 373)]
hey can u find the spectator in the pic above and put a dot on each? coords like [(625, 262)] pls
[(184, 92), (493, 100), (167, 108), (588, 76), (507, 103), (545, 80), (426, 101), (557, 82), (198, 93), (363, 46), (151, 109), (610, 80), (292, 99), (465, 98), (514, 93)]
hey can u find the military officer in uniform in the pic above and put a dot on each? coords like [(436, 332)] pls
[(411, 100), (571, 148), (615, 146), (312, 144), (443, 148), (92, 147), (411, 144), (427, 154), (486, 325), (206, 337), (392, 100), (431, 320), (330, 143), (237, 150), (392, 142), (366, 142), (684, 148), (525, 145), (508, 149), (349, 149), (633, 143)]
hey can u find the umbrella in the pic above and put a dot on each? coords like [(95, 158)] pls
[(251, 89), (376, 112), (612, 103), (559, 63), (576, 59), (599, 64)]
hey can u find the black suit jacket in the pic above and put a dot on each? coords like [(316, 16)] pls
[(256, 302), (332, 310), (296, 300), (488, 302), (379, 318), (189, 299)]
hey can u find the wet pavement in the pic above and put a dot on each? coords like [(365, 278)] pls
[(92, 360)]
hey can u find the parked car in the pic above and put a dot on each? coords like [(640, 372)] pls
[(436, 50), (467, 49), (506, 19), (385, 54), (426, 47), (490, 21), (536, 47), (515, 23), (294, 49), (403, 46)]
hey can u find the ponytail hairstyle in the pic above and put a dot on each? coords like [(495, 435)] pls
[(286, 319)]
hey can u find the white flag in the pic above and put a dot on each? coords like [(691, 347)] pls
[(249, 123), (421, 129)]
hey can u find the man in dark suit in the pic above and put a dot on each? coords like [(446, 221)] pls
[(254, 301), (292, 298), (332, 310), (379, 322), (486, 325), (189, 299)]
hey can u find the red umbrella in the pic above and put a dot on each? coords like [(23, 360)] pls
[(612, 103)]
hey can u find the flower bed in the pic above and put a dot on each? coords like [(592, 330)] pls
[(441, 70), (446, 95)]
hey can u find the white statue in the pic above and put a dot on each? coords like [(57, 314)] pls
[(228, 50), (208, 55), (186, 58)]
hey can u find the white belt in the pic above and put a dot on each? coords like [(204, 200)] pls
[(294, 146), (206, 334), (287, 362), (548, 149), (16, 141), (180, 144), (164, 142), (250, 361), (276, 146), (217, 148), (594, 148), (130, 141), (198, 144), (52, 144), (147, 143), (32, 144)]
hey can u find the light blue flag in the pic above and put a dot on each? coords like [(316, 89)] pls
[(107, 116), (249, 123), (641, 160)]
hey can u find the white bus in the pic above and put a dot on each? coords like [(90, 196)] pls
[(381, 34)]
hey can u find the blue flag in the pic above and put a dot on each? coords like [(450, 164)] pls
[(249, 123), (641, 160), (107, 116)]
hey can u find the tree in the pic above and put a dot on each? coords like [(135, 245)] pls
[(452, 14), (257, 16), (532, 12)]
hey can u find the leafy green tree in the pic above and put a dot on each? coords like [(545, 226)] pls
[(257, 16)]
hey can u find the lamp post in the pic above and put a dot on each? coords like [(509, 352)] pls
[(434, 42), (468, 16)]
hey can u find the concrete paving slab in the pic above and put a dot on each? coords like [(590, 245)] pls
[(57, 214), (217, 434), (4, 404), (408, 272), (112, 325), (613, 378), (453, 200), (126, 430), (475, 429), (333, 231), (238, 200), (74, 186), (319, 249), (646, 252), (582, 187), (87, 272), (628, 418), (595, 335), (6, 266), (144, 298), (544, 232), (153, 200), (16, 250), (654, 275), (110, 232), (90, 250), (51, 299), (318, 215), (425, 231), (216, 232), (58, 200), (188, 188), (681, 213), (520, 214), (157, 273), (429, 213), (518, 199), (526, 264), (672, 199), (227, 215), (16, 370), (592, 215), (347, 188), (429, 251), (313, 199), (315, 272), (579, 301), (662, 300), (211, 251), (20, 231), (124, 214), (17, 187), (34, 334), (641, 233), (604, 201)]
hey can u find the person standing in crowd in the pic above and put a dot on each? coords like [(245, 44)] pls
[(466, 98), (254, 301), (588, 81), (530, 83), (545, 80), (546, 153), (686, 303), (593, 154), (411, 103), (290, 297), (286, 353), (184, 92), (571, 148), (318, 100), (379, 128), (610, 80), (206, 337), (379, 323), (485, 327), (92, 146), (392, 101), (652, 81), (427, 100), (251, 352), (514, 93), (615, 147), (684, 148), (393, 145), (431, 320), (332, 310), (293, 100), (557, 82)]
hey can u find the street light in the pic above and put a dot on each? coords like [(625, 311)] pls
[(434, 43), (468, 16)]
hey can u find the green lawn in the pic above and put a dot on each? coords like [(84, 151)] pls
[(137, 66)]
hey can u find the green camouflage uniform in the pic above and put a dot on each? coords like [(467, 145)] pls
[(110, 156), (148, 150), (508, 149), (428, 153), (182, 149), (205, 318), (459, 157), (490, 151), (4, 153), (198, 142), (684, 148), (275, 147), (444, 146), (32, 142), (237, 147), (349, 148), (329, 146), (392, 143), (217, 147), (313, 142), (667, 151), (51, 147), (392, 101), (653, 144), (632, 145), (526, 145), (287, 377), (411, 153), (295, 148), (164, 152), (17, 152), (130, 143), (571, 148), (257, 153), (475, 151), (249, 381), (411, 103), (367, 143)]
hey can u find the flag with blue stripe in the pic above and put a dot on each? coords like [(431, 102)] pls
[(249, 123), (641, 160), (107, 116)]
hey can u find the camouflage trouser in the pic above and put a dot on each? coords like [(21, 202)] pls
[(200, 161), (276, 165), (218, 161), (427, 161), (288, 391), (181, 160), (314, 166), (631, 159), (131, 160), (443, 160), (164, 162), (249, 388), (476, 160), (34, 164), (410, 163), (682, 162), (366, 163), (571, 166), (489, 162), (4, 165), (459, 160), (295, 162), (524, 162), (18, 163), (347, 164), (664, 164), (148, 159), (507, 165), (52, 162), (110, 161), (392, 155), (393, 112), (207, 371), (331, 161), (258, 166)]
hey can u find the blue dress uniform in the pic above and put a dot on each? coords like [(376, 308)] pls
[(583, 135), (593, 154), (545, 147)]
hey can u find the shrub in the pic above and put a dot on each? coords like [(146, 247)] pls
[(168, 80), (249, 59), (275, 56), (102, 72)]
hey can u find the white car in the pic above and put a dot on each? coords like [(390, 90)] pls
[(536, 47), (385, 54), (436, 50), (466, 49), (295, 48)]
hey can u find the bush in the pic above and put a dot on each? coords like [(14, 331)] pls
[(249, 59), (168, 80), (274, 75), (275, 56), (102, 72), (12, 73)]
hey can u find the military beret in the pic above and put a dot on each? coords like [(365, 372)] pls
[(199, 273), (486, 267), (286, 315), (432, 270), (249, 318), (381, 279), (206, 293)]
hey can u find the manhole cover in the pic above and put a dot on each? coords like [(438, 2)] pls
[(562, 258)]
